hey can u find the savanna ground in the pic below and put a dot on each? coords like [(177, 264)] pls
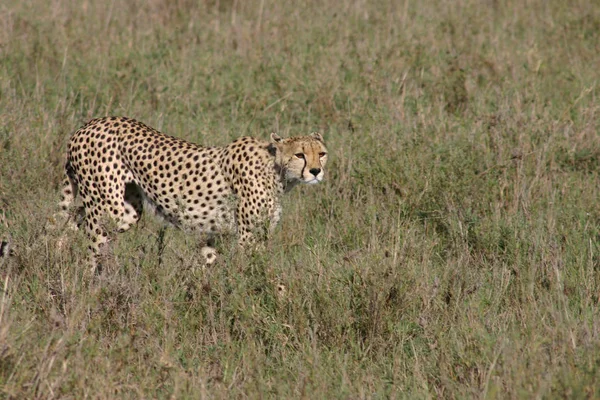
[(451, 252)]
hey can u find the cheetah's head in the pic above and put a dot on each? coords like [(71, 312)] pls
[(301, 159)]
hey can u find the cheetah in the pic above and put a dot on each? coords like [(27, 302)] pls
[(118, 166)]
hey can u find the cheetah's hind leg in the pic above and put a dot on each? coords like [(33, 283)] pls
[(98, 248)]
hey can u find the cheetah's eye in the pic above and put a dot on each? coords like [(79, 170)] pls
[(300, 155), (322, 154)]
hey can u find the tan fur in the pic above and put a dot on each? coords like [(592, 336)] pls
[(115, 162)]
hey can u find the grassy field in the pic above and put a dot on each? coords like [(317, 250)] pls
[(451, 252)]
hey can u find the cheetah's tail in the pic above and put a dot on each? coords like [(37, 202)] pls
[(65, 217), (69, 188)]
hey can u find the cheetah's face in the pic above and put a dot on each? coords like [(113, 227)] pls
[(302, 158)]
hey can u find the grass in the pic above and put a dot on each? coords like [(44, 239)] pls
[(451, 252)]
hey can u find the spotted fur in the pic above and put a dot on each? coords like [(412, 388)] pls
[(114, 163)]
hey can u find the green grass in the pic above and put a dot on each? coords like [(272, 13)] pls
[(451, 252)]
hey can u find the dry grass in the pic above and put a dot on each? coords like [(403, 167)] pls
[(451, 252)]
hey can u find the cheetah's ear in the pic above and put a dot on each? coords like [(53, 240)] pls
[(317, 135), (276, 138)]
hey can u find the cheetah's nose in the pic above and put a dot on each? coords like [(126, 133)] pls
[(315, 171)]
